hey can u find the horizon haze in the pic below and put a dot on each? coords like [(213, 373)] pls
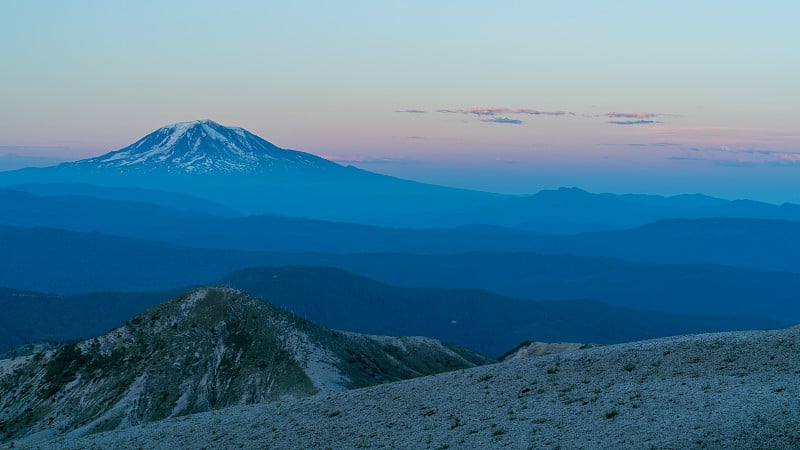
[(619, 97)]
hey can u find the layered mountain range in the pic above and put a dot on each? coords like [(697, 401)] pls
[(237, 169), (61, 235), (102, 243), (479, 320)]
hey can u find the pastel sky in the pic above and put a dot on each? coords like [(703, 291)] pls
[(513, 96)]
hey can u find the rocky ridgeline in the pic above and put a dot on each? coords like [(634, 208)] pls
[(208, 349)]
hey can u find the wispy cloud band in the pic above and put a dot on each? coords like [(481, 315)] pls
[(631, 115), (502, 113), (632, 122), (493, 111), (744, 158), (502, 120)]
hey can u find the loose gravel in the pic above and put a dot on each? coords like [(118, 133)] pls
[(724, 390)]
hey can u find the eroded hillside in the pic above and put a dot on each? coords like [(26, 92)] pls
[(208, 349), (720, 391)]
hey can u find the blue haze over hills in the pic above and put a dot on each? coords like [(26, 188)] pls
[(191, 202), (233, 167)]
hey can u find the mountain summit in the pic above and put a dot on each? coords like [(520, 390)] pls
[(235, 168), (207, 349), (201, 146)]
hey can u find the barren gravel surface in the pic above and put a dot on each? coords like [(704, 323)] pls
[(725, 390)]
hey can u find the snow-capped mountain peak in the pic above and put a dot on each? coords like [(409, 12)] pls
[(201, 146)]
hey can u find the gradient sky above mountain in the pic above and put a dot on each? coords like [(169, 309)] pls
[(514, 96)]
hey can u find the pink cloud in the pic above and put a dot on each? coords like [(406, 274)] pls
[(542, 113), (482, 111), (790, 157)]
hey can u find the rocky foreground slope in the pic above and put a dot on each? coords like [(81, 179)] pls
[(208, 349), (726, 390)]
